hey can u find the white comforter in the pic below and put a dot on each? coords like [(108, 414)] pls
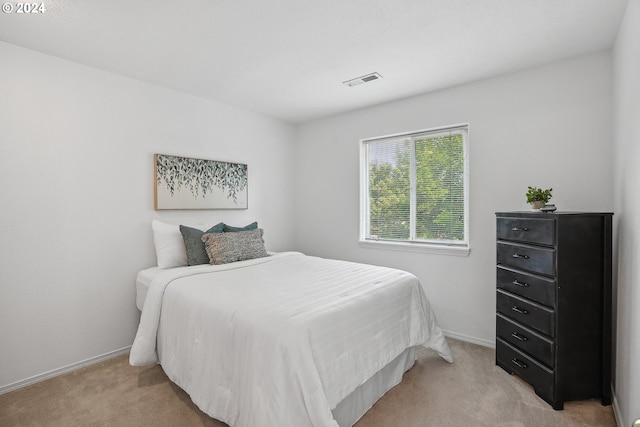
[(280, 341)]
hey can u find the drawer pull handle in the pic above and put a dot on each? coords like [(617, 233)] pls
[(519, 310), (520, 256), (521, 284), (519, 363), (519, 337), (519, 229)]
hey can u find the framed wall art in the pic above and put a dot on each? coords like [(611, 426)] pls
[(188, 183)]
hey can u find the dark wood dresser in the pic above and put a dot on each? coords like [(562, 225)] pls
[(553, 319)]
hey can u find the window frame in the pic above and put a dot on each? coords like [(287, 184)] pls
[(461, 248)]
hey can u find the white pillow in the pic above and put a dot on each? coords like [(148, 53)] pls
[(170, 249)]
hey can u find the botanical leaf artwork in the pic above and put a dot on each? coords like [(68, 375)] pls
[(200, 177)]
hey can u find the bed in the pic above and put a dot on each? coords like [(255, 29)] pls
[(283, 340)]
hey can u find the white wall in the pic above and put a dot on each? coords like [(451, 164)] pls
[(76, 168), (76, 174), (548, 127), (626, 69)]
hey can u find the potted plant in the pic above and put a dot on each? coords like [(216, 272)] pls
[(537, 197)]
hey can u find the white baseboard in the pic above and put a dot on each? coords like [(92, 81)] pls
[(616, 409), (56, 372), (466, 338)]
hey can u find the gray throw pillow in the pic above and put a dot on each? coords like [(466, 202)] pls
[(231, 228), (196, 253), (231, 247)]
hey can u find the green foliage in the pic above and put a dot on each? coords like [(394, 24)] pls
[(389, 201), (200, 176), (439, 191), (440, 188), (538, 195)]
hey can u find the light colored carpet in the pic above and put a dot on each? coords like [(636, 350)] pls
[(470, 392)]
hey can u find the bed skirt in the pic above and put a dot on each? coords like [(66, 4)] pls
[(355, 405)]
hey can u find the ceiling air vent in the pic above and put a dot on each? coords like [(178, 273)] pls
[(363, 79)]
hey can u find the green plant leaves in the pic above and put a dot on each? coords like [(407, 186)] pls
[(535, 194)]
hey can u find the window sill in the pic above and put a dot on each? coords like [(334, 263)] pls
[(416, 247)]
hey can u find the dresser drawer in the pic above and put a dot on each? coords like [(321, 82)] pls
[(540, 231), (537, 288), (525, 339), (529, 258), (515, 361), (529, 313)]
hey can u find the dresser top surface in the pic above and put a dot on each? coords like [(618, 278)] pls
[(542, 215)]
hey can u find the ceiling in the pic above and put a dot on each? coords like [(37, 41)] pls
[(287, 59)]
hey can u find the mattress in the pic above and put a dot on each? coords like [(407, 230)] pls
[(143, 280), (287, 340)]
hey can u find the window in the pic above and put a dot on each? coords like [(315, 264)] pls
[(414, 189)]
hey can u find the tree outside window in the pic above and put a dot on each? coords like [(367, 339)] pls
[(415, 187)]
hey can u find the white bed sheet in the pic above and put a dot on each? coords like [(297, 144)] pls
[(282, 340), (143, 281), (146, 276), (356, 404)]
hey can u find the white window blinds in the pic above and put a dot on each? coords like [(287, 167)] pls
[(415, 187)]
